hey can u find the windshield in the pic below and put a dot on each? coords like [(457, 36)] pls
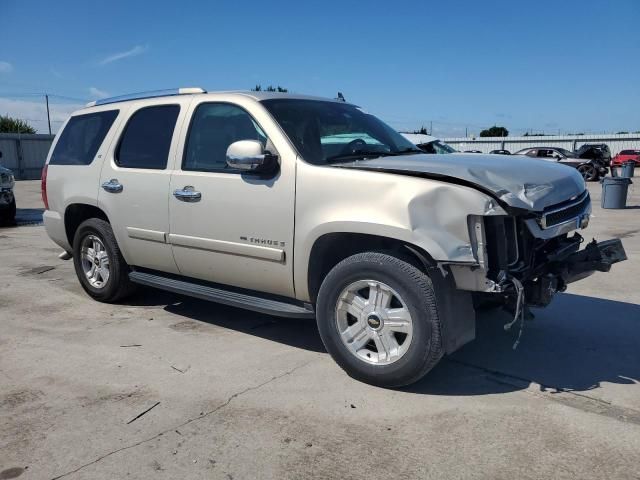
[(565, 152), (327, 132), (437, 147)]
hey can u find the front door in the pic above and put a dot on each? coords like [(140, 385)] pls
[(227, 226)]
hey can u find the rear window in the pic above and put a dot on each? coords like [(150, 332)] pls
[(147, 137), (81, 138), (629, 152)]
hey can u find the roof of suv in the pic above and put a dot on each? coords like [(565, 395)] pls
[(259, 96)]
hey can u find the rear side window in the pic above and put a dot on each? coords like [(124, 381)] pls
[(147, 137), (81, 138)]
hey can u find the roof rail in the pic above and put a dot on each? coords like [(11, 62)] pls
[(150, 94)]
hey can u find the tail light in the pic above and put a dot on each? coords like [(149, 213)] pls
[(43, 187)]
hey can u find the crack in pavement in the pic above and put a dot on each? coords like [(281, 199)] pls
[(187, 422), (580, 401)]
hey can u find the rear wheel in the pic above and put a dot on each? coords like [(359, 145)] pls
[(377, 318), (99, 264), (588, 172)]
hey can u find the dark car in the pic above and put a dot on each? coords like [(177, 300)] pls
[(595, 151), (590, 169), (500, 152), (472, 151)]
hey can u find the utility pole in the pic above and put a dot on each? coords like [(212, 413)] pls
[(431, 127), (46, 98)]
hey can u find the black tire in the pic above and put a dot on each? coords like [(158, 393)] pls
[(588, 172), (8, 215), (417, 293), (118, 286)]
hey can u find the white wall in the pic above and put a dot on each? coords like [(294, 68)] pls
[(570, 142)]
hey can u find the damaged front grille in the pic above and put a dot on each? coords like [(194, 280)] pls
[(564, 213)]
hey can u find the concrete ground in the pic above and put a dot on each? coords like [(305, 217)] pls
[(238, 395)]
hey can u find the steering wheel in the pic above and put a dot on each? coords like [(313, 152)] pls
[(354, 145)]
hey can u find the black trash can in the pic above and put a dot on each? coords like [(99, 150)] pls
[(614, 192), (627, 169)]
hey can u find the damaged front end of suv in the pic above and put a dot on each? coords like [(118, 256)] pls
[(531, 249), (527, 257)]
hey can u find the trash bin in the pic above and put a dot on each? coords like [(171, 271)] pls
[(614, 192), (627, 169)]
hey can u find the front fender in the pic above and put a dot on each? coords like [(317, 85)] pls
[(430, 214)]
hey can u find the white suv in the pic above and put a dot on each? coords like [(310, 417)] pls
[(307, 207)]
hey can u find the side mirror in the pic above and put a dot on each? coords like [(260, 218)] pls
[(250, 156)]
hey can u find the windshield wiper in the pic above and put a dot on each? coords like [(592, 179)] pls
[(368, 154)]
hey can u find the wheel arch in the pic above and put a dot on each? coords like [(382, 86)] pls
[(331, 248), (455, 307), (76, 213)]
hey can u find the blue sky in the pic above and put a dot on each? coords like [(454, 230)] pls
[(541, 65)]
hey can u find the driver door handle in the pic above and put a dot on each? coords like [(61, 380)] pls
[(187, 194)]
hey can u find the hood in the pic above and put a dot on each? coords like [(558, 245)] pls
[(517, 180)]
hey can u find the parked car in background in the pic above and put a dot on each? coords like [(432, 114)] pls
[(595, 151), (500, 152), (428, 144), (625, 156), (590, 169), (7, 199), (472, 151)]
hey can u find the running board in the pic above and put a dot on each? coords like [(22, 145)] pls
[(234, 299)]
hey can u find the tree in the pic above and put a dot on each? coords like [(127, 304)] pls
[(422, 131), (270, 88), (14, 125), (495, 131)]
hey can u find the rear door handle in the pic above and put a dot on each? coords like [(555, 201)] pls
[(112, 186), (187, 194)]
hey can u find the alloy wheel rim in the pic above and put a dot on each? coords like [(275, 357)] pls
[(374, 322), (95, 261), (587, 171)]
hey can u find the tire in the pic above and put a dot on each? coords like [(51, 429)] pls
[(588, 172), (8, 215), (411, 293), (110, 285)]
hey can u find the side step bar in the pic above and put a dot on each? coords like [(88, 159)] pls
[(234, 299)]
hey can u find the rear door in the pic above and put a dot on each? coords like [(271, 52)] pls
[(239, 229), (135, 182)]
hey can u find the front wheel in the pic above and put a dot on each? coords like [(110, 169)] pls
[(588, 172), (377, 318), (99, 264)]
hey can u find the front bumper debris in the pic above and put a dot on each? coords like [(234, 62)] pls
[(568, 265), (596, 257)]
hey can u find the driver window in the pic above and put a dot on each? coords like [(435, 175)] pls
[(214, 127)]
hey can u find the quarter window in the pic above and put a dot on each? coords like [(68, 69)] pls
[(147, 137), (81, 138), (214, 127)]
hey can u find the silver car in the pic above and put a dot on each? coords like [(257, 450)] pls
[(590, 169)]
